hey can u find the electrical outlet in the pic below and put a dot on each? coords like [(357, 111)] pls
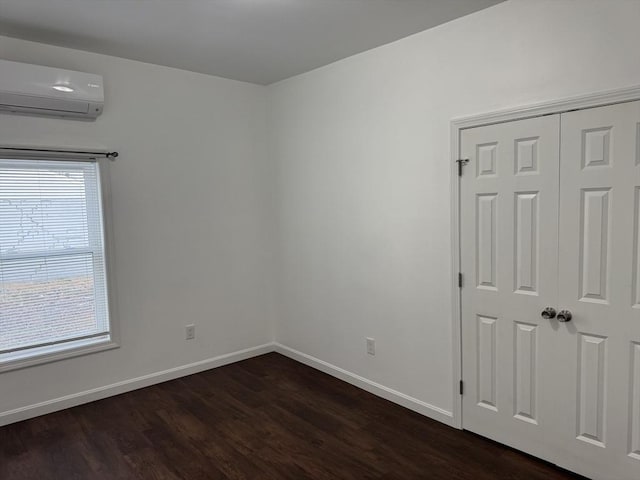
[(371, 346), (190, 332)]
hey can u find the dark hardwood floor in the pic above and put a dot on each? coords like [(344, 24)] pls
[(264, 418)]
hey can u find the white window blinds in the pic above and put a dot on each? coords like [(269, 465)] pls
[(53, 289)]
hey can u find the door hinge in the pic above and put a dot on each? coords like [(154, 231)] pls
[(461, 387), (461, 163), (460, 280)]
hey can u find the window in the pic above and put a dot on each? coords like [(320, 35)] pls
[(53, 279)]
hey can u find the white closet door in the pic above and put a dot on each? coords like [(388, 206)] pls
[(509, 256), (597, 376)]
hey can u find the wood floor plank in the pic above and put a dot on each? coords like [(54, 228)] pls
[(266, 418)]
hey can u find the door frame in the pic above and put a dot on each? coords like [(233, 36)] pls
[(597, 99)]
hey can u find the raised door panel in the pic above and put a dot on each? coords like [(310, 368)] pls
[(634, 403), (525, 372), (526, 243), (591, 389), (594, 244), (486, 240), (486, 363)]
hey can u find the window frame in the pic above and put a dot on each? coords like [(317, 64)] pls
[(76, 348)]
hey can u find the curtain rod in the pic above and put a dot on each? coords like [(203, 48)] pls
[(109, 155)]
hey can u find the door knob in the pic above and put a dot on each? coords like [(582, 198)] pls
[(564, 316), (548, 313)]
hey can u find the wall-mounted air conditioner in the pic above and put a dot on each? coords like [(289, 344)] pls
[(38, 90)]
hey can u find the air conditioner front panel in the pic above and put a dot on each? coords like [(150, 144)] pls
[(8, 100)]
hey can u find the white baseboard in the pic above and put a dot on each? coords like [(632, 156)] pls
[(387, 393), (87, 396), (68, 401)]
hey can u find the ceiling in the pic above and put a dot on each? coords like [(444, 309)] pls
[(258, 41)]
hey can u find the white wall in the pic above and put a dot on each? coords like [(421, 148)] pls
[(192, 210), (359, 160), (363, 152)]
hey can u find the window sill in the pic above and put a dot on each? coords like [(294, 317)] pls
[(56, 353)]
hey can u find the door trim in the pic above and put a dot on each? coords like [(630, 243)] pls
[(580, 102)]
